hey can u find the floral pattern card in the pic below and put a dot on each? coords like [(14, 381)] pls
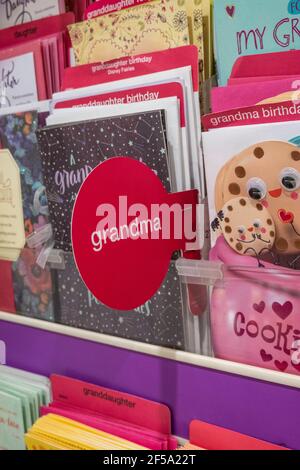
[(18, 135), (32, 284), (145, 28), (70, 152), (33, 287), (158, 322)]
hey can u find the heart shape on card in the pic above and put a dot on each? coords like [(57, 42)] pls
[(265, 356), (282, 366), (230, 9), (282, 311), (259, 307), (286, 217)]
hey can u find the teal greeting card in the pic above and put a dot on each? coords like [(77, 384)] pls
[(11, 423), (245, 27)]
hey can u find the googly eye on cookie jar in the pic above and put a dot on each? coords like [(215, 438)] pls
[(253, 176)]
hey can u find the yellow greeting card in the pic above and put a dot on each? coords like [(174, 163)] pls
[(194, 12), (142, 29), (53, 432), (208, 34)]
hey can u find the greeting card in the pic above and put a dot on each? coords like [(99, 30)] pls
[(159, 322), (70, 152), (18, 87), (12, 234), (149, 97), (21, 395), (18, 135), (179, 64), (11, 420), (13, 13), (253, 189), (7, 300), (238, 32), (33, 287), (149, 27), (54, 432), (140, 421), (240, 96), (32, 284), (195, 17)]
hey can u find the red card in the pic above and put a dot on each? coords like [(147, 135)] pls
[(127, 67), (7, 301), (213, 437), (273, 64), (122, 242)]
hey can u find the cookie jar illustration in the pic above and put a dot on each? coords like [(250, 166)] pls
[(255, 311)]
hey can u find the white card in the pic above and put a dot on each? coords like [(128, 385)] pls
[(14, 12), (18, 81), (190, 153)]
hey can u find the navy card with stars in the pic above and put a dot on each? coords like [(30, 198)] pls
[(158, 322), (70, 152)]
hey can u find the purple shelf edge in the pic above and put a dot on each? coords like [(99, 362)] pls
[(260, 409)]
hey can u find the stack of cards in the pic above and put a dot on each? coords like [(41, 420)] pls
[(21, 396), (142, 422), (54, 432), (41, 48), (194, 11), (144, 82)]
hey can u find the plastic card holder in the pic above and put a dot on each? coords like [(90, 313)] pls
[(253, 312)]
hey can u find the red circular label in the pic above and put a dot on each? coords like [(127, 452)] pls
[(117, 235)]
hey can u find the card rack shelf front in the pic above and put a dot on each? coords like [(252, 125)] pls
[(238, 369)]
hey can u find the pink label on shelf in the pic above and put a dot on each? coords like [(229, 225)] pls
[(35, 30), (260, 114)]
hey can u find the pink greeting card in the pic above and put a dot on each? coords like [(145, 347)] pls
[(15, 54), (243, 95), (124, 415)]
